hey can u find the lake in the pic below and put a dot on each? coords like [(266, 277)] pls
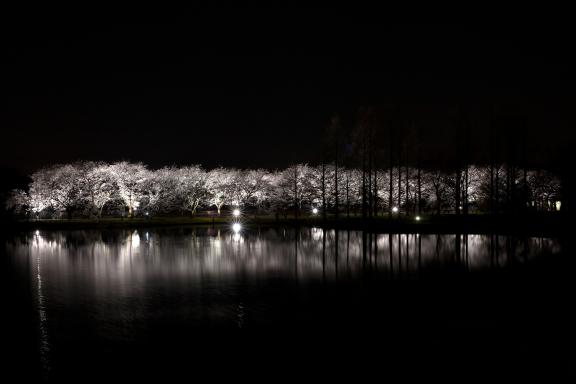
[(163, 301)]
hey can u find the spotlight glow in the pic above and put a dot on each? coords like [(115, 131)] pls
[(417, 218), (395, 209), (315, 211), (236, 212), (236, 227)]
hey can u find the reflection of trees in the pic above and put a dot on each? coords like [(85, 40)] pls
[(192, 254)]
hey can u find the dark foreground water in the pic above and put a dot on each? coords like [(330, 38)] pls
[(185, 302)]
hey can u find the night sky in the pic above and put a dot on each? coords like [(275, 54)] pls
[(240, 89)]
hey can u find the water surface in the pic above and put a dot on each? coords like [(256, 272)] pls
[(126, 298)]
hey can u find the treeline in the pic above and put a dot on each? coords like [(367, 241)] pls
[(125, 189)]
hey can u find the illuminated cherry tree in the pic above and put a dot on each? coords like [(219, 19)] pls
[(58, 187), (292, 188), (18, 201), (98, 185), (130, 179), (220, 186), (250, 187), (160, 190), (191, 187), (86, 188)]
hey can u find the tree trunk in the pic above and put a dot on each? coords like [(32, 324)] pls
[(296, 192), (391, 176), (457, 191), (497, 192), (525, 186), (508, 188), (491, 187), (438, 200), (407, 185), (399, 186), (336, 198), (524, 174), (466, 189), (364, 184), (323, 191), (348, 194), (419, 191), (375, 192), (370, 197)]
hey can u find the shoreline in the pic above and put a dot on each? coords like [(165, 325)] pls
[(549, 224)]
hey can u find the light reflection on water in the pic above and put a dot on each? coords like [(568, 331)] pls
[(111, 279), (120, 259)]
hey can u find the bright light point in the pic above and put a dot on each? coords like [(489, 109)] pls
[(146, 213), (417, 218), (135, 239), (37, 232), (236, 213), (315, 211), (236, 227), (558, 205), (395, 209)]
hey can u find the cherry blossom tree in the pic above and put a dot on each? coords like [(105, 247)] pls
[(98, 186), (220, 186), (58, 187), (191, 187), (18, 201), (160, 190), (90, 186), (250, 187), (130, 180)]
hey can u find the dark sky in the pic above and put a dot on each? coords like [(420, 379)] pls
[(252, 90)]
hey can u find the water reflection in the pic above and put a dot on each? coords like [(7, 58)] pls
[(114, 260), (42, 317), (125, 286)]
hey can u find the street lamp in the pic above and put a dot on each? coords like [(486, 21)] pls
[(236, 212), (236, 227), (417, 218), (315, 211), (395, 209)]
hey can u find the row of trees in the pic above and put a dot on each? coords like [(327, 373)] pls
[(94, 189)]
